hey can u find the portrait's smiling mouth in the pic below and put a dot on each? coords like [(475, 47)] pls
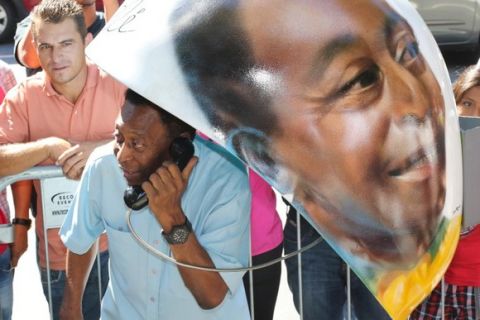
[(418, 166)]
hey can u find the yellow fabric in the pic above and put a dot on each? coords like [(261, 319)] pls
[(401, 291)]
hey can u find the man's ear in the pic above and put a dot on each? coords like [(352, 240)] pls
[(187, 135), (88, 39)]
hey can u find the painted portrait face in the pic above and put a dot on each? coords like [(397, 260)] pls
[(332, 102), (359, 121)]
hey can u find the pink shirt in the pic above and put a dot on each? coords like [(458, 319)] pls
[(34, 110), (265, 224)]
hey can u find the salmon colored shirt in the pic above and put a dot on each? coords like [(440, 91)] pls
[(34, 110)]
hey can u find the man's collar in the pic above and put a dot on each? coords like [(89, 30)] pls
[(91, 81)]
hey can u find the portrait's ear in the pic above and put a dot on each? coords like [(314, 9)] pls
[(254, 148)]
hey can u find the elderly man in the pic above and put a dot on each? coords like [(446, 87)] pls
[(199, 216)]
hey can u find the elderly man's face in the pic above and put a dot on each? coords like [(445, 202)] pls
[(142, 142), (360, 121)]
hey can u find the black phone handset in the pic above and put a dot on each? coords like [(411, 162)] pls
[(181, 151)]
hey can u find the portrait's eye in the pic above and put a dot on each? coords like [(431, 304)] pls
[(408, 53), (366, 78), (358, 92), (404, 49)]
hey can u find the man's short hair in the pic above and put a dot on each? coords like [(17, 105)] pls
[(174, 124), (57, 11)]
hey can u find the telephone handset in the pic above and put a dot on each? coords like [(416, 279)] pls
[(181, 151)]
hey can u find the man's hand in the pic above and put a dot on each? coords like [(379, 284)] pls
[(164, 190), (19, 245), (55, 147), (73, 160)]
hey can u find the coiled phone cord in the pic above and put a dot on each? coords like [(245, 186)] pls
[(163, 256)]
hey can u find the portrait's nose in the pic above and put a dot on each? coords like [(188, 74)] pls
[(409, 98)]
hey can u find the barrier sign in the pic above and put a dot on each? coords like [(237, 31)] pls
[(57, 195)]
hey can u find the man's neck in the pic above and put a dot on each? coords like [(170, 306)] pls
[(72, 89)]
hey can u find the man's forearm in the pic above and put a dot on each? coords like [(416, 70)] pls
[(18, 157), (208, 288), (78, 269), (22, 193)]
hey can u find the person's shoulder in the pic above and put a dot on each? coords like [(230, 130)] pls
[(103, 155), (217, 160), (35, 81), (29, 86), (101, 75)]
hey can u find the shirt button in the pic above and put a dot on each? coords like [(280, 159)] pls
[(156, 242), (152, 299), (154, 271)]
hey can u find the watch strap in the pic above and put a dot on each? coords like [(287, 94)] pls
[(24, 222)]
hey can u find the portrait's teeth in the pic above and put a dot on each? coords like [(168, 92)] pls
[(415, 161)]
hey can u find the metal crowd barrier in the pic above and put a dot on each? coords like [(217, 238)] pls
[(54, 174), (57, 194)]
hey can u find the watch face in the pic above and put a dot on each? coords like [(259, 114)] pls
[(179, 234)]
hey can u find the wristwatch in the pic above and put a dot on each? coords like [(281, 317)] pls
[(178, 234), (24, 222)]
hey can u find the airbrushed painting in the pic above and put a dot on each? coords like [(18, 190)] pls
[(343, 106)]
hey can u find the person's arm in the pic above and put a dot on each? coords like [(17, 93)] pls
[(109, 8), (78, 269), (22, 193), (18, 157), (164, 190), (25, 51), (208, 288)]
